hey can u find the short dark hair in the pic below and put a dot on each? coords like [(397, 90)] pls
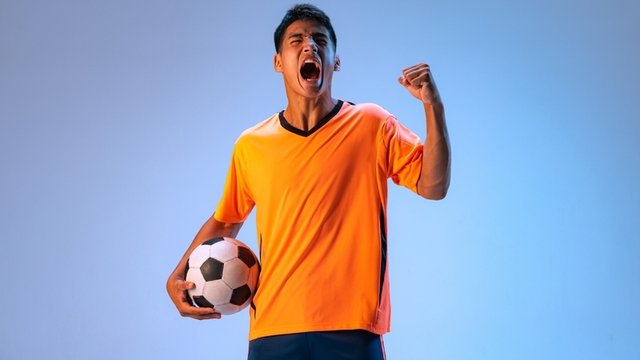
[(303, 12)]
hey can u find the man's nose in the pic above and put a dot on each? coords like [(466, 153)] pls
[(310, 45)]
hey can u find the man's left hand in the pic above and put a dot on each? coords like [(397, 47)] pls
[(419, 82)]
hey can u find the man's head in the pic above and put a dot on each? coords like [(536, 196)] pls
[(305, 52), (303, 12)]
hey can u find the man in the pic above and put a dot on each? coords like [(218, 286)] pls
[(317, 174)]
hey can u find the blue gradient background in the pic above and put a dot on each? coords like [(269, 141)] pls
[(118, 120)]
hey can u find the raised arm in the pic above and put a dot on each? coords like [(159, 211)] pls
[(177, 286), (436, 160)]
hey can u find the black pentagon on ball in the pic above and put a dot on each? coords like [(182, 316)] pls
[(240, 295), (246, 256), (201, 301), (211, 269), (213, 241)]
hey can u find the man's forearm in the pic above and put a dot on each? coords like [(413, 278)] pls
[(436, 160)]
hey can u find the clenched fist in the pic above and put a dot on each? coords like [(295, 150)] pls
[(419, 82)]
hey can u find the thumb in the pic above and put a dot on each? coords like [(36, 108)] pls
[(185, 285), (403, 81)]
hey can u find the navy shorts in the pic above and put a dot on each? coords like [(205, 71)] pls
[(319, 345)]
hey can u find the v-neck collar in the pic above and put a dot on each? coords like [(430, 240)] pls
[(286, 125)]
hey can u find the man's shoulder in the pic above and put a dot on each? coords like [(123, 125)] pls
[(262, 128), (371, 110)]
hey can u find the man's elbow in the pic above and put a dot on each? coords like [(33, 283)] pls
[(434, 192)]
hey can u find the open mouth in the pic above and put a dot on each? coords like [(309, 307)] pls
[(310, 70)]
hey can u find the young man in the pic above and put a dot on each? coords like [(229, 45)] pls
[(317, 174)]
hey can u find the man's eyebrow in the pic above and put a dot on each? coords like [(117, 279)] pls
[(316, 34)]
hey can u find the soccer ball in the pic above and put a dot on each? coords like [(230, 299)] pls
[(225, 274)]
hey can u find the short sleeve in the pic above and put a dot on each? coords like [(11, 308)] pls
[(402, 153), (236, 202)]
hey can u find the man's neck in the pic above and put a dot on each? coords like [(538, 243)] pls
[(305, 113)]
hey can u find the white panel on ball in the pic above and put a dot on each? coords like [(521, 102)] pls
[(223, 251), (199, 255), (195, 276), (228, 309), (217, 292), (235, 273)]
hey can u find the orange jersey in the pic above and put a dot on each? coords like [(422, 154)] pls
[(321, 199)]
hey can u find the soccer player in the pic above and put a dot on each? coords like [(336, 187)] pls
[(317, 175)]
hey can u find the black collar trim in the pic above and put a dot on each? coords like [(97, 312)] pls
[(285, 124)]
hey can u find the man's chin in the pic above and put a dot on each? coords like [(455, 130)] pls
[(315, 86)]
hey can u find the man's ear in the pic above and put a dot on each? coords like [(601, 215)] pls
[(336, 66), (277, 63)]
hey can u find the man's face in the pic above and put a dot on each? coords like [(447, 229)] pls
[(307, 58)]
